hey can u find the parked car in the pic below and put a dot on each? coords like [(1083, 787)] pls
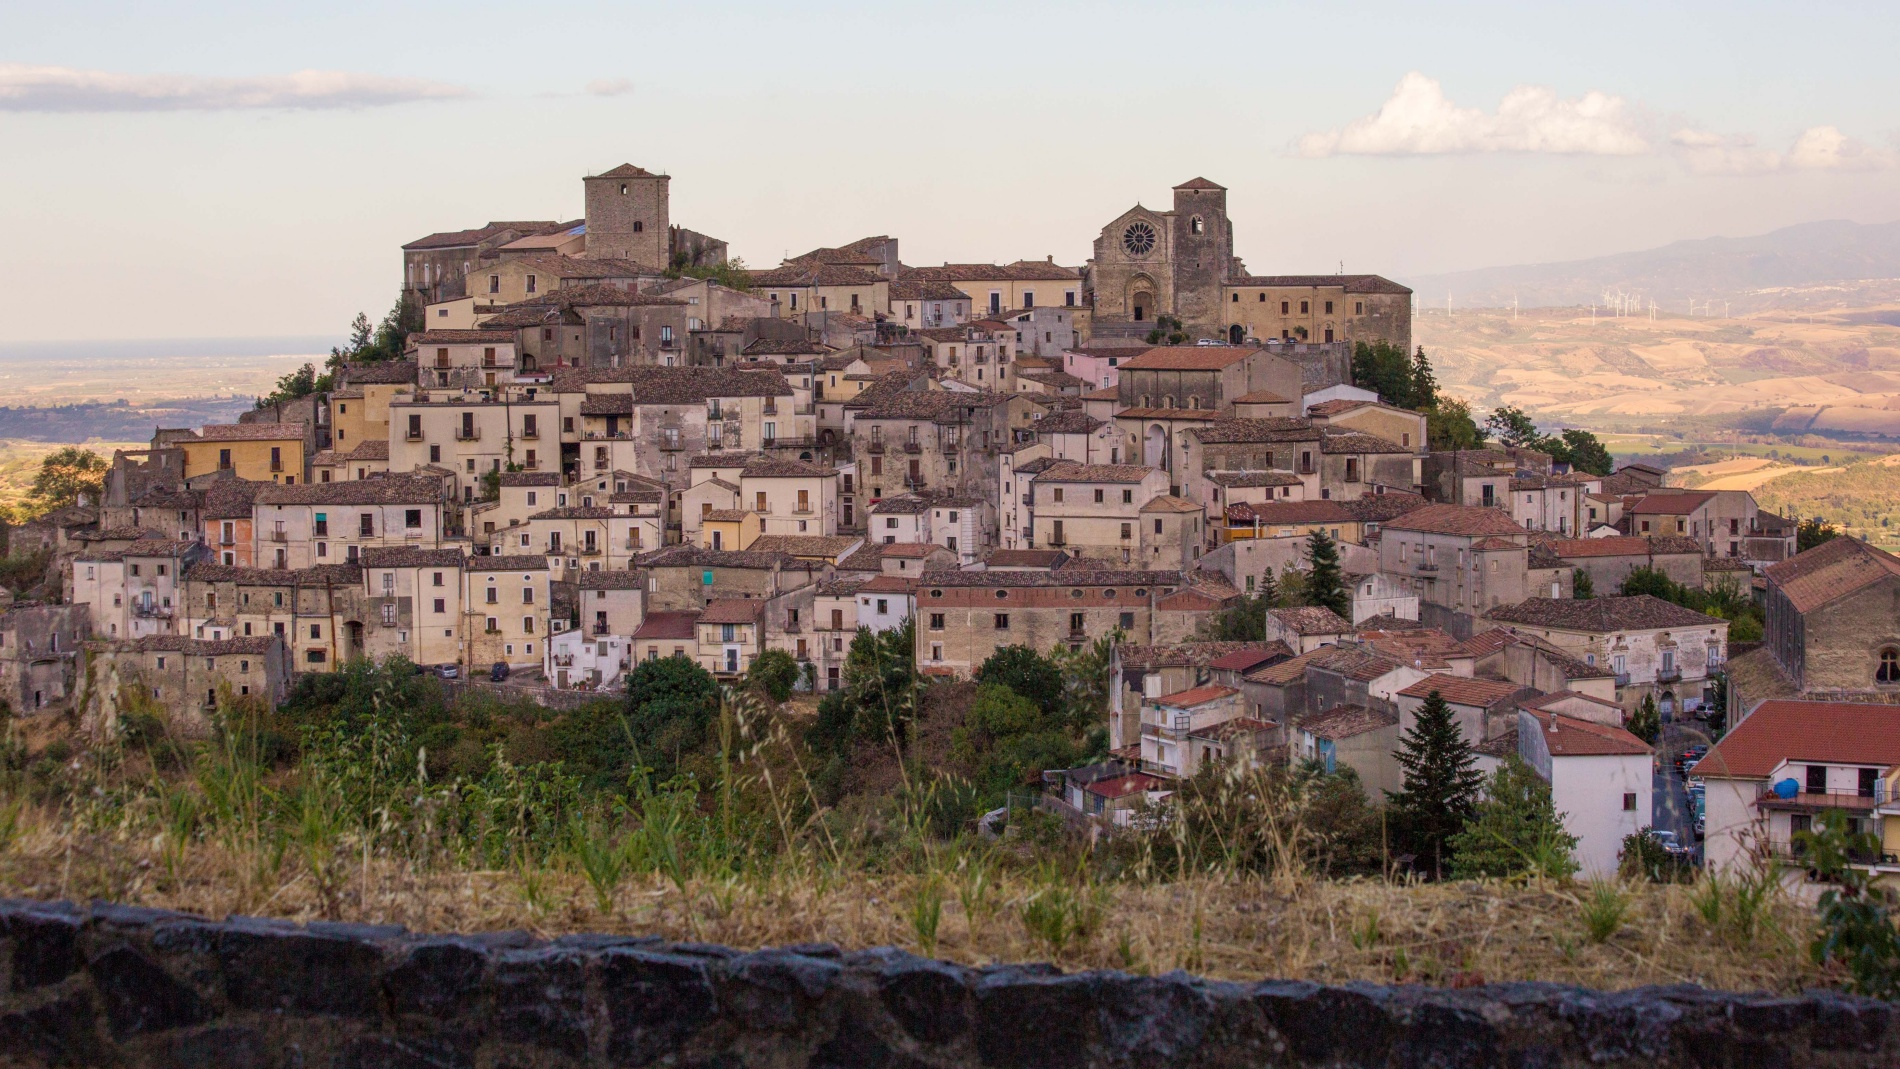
[(1669, 842), (448, 671), (1687, 759), (499, 672)]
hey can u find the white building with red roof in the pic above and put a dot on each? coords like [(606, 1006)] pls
[(1600, 780), (1787, 763)]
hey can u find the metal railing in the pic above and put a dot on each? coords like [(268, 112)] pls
[(1668, 675), (468, 434)]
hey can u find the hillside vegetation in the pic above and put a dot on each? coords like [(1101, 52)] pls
[(1860, 499)]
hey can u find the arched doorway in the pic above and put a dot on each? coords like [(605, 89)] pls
[(1668, 705), (1142, 303), (1141, 298), (1154, 451), (1236, 334)]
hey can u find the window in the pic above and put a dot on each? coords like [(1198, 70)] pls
[(936, 621), (1098, 496), (1889, 670), (316, 630), (441, 606), (1817, 779), (412, 518), (1629, 801), (1283, 306), (1306, 307), (527, 592), (1127, 621), (1329, 308), (1002, 621), (527, 625), (1058, 493), (1157, 526)]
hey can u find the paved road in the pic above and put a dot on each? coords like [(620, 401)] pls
[(1670, 809)]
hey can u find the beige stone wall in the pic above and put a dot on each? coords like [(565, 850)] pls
[(1844, 639), (250, 460)]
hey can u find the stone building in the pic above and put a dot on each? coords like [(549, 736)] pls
[(628, 215), (1833, 624), (1094, 511), (1654, 648), (963, 617), (1609, 561), (994, 289), (436, 268), (184, 676), (1459, 560), (1209, 378), (1180, 263), (37, 646)]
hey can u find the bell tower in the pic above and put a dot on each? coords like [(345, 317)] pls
[(627, 216), (1203, 249)]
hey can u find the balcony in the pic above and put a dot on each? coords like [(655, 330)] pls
[(531, 434), (915, 482), (151, 612), (667, 445), (875, 445), (769, 410), (531, 465), (590, 551), (600, 628), (413, 435), (633, 545), (1816, 801), (913, 447), (949, 449), (1668, 675), (1426, 566), (468, 434), (1055, 540), (280, 536), (1622, 679)]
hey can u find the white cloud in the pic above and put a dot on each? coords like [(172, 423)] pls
[(609, 87), (24, 87), (1819, 148), (1418, 119)]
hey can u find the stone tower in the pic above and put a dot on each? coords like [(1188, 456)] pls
[(627, 216), (1202, 253)]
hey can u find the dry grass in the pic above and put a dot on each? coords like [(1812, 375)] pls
[(1241, 929)]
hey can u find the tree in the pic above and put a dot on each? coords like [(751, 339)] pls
[(1812, 532), (1448, 425), (300, 383), (1645, 723), (1514, 830), (1513, 428), (773, 674), (66, 473), (670, 705), (877, 695), (731, 274), (1441, 782), (1325, 586), (1086, 682), (1586, 453), (1652, 581), (1385, 369), (1582, 587), (1025, 672), (1006, 741), (1424, 383)]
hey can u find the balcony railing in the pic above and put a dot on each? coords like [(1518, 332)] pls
[(280, 536), (1622, 679), (468, 434), (1853, 799), (590, 551), (1056, 540), (413, 436), (949, 449), (602, 629), (913, 447), (151, 612), (1426, 566), (1668, 675), (875, 445), (530, 433)]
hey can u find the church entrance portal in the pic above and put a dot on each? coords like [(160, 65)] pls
[(1142, 303), (1236, 334)]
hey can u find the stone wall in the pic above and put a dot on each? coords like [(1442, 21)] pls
[(123, 986)]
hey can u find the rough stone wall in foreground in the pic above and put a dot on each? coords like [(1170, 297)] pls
[(114, 985)]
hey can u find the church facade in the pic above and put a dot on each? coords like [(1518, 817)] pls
[(1180, 263)]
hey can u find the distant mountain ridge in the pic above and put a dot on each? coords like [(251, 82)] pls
[(1720, 268)]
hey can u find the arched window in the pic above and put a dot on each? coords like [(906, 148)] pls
[(1194, 402), (1889, 670), (1196, 226)]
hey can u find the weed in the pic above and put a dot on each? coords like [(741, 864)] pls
[(601, 860), (1604, 910), (1365, 935), (926, 913)]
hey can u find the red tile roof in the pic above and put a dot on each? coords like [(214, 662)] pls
[(1248, 659), (1671, 502), (732, 611), (1346, 721), (674, 625), (1836, 567), (1465, 520), (1617, 546), (1311, 620), (1782, 730), (1463, 690), (1123, 786), (1287, 512), (1196, 696), (1567, 736)]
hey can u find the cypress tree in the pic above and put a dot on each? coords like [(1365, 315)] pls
[(1325, 586), (1441, 782), (1424, 383)]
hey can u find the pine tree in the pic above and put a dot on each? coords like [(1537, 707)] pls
[(1325, 586), (1514, 831), (1441, 783), (1269, 591), (1424, 383), (1582, 587)]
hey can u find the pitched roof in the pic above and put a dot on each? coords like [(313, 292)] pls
[(826, 546), (1311, 620), (1169, 503), (1466, 520), (1235, 480), (1619, 546), (912, 550), (530, 478), (1350, 283), (678, 385), (733, 611), (411, 557), (455, 239), (1262, 397), (1189, 358), (1346, 441), (382, 490), (673, 625), (1182, 654), (1569, 736), (1068, 421), (1196, 695), (786, 468), (250, 432), (1789, 730), (1027, 558), (1069, 471), (1463, 690), (1347, 721), (1634, 613), (1833, 569), (815, 274), (1020, 271), (1245, 431), (1671, 502), (611, 579), (1383, 508), (1246, 660), (1287, 512)]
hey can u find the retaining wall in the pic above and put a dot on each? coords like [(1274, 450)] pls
[(113, 985)]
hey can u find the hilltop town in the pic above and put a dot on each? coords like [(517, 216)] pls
[(605, 444)]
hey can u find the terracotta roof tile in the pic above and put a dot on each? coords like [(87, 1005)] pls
[(1465, 520), (1196, 696), (1830, 570), (1311, 620), (1189, 358), (665, 625), (1568, 736), (1599, 615), (1269, 513), (1464, 690), (1786, 730), (1347, 721)]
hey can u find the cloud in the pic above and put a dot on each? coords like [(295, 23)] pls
[(609, 87), (1819, 148), (25, 87), (1419, 120)]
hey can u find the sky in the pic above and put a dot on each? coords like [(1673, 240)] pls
[(223, 169)]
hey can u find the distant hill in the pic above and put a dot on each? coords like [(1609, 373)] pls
[(1734, 269)]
